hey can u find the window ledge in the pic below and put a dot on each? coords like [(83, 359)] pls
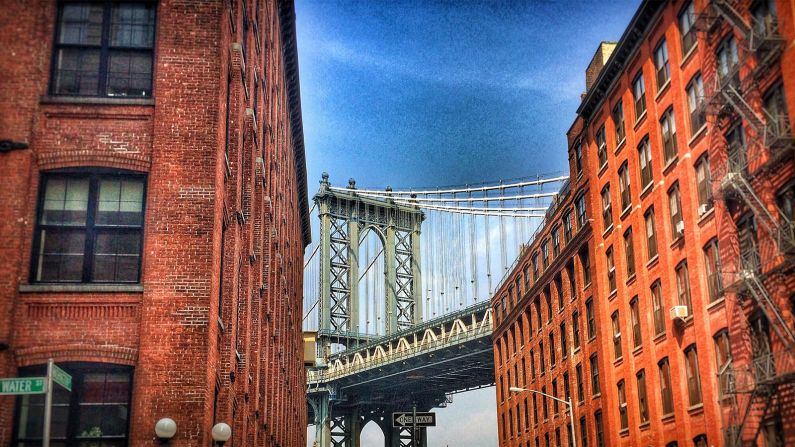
[(695, 409), (111, 100), (639, 120), (697, 135), (607, 231), (644, 426), (613, 294), (637, 351), (646, 189), (717, 304), (661, 91), (576, 350), (678, 242), (602, 169), (706, 216), (670, 165), (687, 56), (659, 337), (618, 361), (631, 279), (625, 212), (668, 417), (620, 146), (81, 288), (596, 396), (624, 432), (653, 261)]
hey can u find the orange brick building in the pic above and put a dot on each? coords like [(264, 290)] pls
[(683, 151), (153, 219)]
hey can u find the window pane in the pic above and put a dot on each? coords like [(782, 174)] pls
[(132, 25), (129, 73), (61, 255), (65, 202), (77, 71), (120, 202), (81, 24)]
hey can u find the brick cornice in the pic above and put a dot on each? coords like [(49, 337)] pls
[(72, 159), (76, 352)]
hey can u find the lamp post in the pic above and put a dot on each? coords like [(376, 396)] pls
[(515, 389), (221, 433)]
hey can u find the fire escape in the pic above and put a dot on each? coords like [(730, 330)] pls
[(753, 380)]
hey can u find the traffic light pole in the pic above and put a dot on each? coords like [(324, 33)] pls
[(48, 405)]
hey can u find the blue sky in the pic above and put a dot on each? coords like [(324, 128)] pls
[(434, 93)]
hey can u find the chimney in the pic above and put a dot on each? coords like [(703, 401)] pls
[(597, 62)]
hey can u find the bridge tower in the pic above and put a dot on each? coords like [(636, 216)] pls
[(344, 217)]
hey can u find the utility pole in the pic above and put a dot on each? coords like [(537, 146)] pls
[(414, 442)]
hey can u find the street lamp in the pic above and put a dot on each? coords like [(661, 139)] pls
[(515, 389), (165, 429), (221, 433)]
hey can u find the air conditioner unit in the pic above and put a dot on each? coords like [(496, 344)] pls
[(702, 209), (680, 228), (679, 312)]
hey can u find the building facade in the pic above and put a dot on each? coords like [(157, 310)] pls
[(683, 151), (154, 218)]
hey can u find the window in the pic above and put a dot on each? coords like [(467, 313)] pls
[(524, 372), (583, 432), (700, 441), (728, 66), (785, 199), (567, 227), (683, 287), (629, 253), (559, 291), (575, 328), (666, 393), (548, 299), (703, 185), (607, 208), (622, 405), (675, 205), (95, 413), (723, 360), (545, 254), (594, 375), (582, 217), (538, 312), (104, 49), (543, 362), (544, 406), (601, 146), (693, 379), (585, 263), (639, 95), (611, 270), (623, 184), (578, 157), (776, 113), (737, 149), (644, 158), (555, 406), (557, 433), (687, 29), (563, 342), (526, 273), (637, 337), (617, 353), (657, 304), (668, 131), (555, 241), (618, 122), (571, 275), (552, 353), (580, 384), (773, 432), (661, 64), (535, 267), (89, 228), (600, 431), (526, 415), (764, 19), (696, 104), (566, 387), (643, 403), (712, 267), (746, 235), (589, 314), (532, 365), (510, 421), (535, 411), (651, 234)]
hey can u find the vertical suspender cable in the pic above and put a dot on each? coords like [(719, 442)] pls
[(488, 253), (503, 254), (472, 258)]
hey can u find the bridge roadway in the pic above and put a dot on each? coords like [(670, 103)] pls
[(422, 365)]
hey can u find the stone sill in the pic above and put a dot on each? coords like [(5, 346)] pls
[(81, 288), (94, 100)]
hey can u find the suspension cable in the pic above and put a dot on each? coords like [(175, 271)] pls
[(538, 181)]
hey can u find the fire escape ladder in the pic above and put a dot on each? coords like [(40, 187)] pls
[(769, 308), (780, 229), (734, 98), (732, 16)]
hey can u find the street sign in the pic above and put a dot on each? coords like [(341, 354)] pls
[(22, 385), (407, 419), (61, 377)]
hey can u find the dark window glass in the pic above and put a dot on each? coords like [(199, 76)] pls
[(639, 95), (589, 311), (89, 228), (643, 404), (624, 186), (572, 276), (607, 208), (104, 49), (585, 263), (693, 378), (600, 430), (668, 132), (552, 353), (578, 158), (96, 412), (629, 252), (583, 432), (696, 103), (712, 267), (776, 115), (575, 327), (683, 287), (728, 62), (601, 146), (661, 66), (611, 270), (737, 149), (637, 337), (687, 28), (618, 122), (703, 185), (617, 352), (644, 158), (594, 375), (580, 383), (567, 229), (658, 308), (675, 207), (563, 340), (555, 241), (723, 361), (582, 217), (651, 234), (622, 405), (666, 392)]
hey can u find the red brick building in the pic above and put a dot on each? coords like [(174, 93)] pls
[(683, 151), (153, 219)]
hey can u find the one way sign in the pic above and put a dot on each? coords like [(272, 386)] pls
[(407, 419)]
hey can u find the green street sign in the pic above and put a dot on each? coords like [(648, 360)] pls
[(22, 385), (61, 377)]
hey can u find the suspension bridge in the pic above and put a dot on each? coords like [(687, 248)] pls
[(399, 327)]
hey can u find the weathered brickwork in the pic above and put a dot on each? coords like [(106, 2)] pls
[(639, 276), (213, 328)]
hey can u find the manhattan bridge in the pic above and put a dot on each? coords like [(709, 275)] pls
[(397, 288)]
